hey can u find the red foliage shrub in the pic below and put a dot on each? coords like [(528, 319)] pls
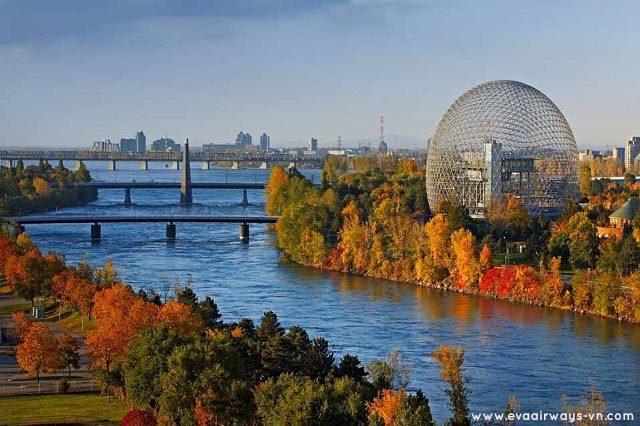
[(139, 418)]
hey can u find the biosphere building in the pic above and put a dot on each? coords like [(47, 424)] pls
[(503, 138)]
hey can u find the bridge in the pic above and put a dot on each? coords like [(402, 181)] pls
[(128, 186), (171, 220), (259, 159)]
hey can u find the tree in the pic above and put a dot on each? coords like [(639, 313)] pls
[(106, 276), (463, 245), (180, 317), (145, 363), (350, 366), (269, 326), (68, 351), (583, 241), (486, 259), (41, 187), (27, 274), (187, 297), (386, 406), (38, 353), (438, 231), (517, 220), (277, 179), (451, 360), (319, 361), (208, 310), (392, 372)]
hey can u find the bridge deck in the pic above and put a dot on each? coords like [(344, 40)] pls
[(168, 185), (40, 220)]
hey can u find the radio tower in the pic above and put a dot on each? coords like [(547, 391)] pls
[(382, 147)]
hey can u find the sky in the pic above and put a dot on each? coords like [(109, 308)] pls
[(76, 71)]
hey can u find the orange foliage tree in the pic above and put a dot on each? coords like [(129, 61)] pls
[(386, 406), (180, 317), (466, 268), (38, 353)]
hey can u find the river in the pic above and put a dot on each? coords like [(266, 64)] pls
[(534, 353)]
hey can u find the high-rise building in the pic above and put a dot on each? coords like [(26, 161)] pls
[(618, 154), (141, 141), (631, 152), (265, 142), (243, 139), (128, 145), (313, 145), (165, 145), (105, 146), (382, 148)]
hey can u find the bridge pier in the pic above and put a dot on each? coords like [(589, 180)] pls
[(264, 165), (245, 199), (144, 165), (171, 231), (205, 165), (111, 165), (95, 232), (127, 197), (175, 165), (244, 232), (235, 165), (10, 164), (77, 167)]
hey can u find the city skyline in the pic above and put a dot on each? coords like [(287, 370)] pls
[(297, 70)]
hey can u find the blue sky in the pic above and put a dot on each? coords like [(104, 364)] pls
[(74, 71)]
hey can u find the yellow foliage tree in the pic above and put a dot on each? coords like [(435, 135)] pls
[(438, 232), (42, 187), (277, 179), (486, 258), (466, 267)]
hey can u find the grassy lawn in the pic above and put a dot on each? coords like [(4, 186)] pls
[(73, 408), (73, 322), (19, 306)]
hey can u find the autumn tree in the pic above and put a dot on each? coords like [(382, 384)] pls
[(180, 317), (277, 179), (41, 187), (438, 232), (139, 418), (67, 347), (38, 353), (583, 241), (517, 220), (466, 265), (386, 406), (485, 261), (451, 360), (23, 324)]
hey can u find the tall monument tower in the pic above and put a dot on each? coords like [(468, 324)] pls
[(186, 198)]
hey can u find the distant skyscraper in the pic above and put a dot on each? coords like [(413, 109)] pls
[(313, 145), (243, 139), (382, 148), (128, 145), (141, 141), (618, 153), (631, 152), (265, 142), (165, 145)]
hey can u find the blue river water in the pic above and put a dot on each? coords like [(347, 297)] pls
[(536, 354)]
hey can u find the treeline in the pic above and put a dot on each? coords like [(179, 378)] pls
[(377, 223), (25, 190)]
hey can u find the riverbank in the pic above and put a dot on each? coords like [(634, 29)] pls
[(26, 190), (376, 225)]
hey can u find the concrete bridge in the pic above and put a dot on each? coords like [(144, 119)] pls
[(171, 220), (259, 159), (128, 186)]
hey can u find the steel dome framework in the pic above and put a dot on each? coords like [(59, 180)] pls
[(503, 138)]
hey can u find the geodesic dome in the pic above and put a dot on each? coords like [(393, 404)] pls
[(503, 138)]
